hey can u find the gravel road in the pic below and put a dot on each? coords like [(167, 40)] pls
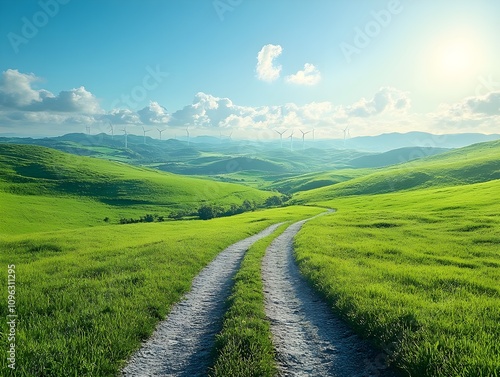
[(309, 339), (182, 344)]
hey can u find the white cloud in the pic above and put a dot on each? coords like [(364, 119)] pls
[(121, 116), (266, 70), (154, 114), (388, 110), (77, 100), (487, 105), (208, 111), (309, 76), (16, 93), (472, 114), (205, 111), (387, 99), (23, 107)]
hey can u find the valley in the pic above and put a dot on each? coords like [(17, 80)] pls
[(408, 261)]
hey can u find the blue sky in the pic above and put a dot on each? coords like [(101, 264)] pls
[(376, 66)]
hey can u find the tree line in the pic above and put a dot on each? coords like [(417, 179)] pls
[(209, 211)]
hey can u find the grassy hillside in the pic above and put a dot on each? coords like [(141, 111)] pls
[(88, 297), (222, 165), (311, 181), (396, 156), (473, 164), (37, 182), (417, 272)]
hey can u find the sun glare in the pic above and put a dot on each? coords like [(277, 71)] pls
[(456, 58)]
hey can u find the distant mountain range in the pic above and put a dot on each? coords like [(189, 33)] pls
[(206, 155), (390, 141)]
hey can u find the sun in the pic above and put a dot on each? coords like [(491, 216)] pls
[(456, 58)]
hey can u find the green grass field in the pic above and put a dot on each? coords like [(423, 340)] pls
[(87, 297), (417, 272)]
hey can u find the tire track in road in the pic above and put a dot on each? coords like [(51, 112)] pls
[(182, 344), (309, 339)]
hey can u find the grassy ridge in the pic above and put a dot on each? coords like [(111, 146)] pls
[(316, 180), (86, 298), (244, 346), (57, 190), (32, 170), (474, 164), (417, 271)]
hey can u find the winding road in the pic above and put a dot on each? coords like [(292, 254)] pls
[(308, 338), (182, 344)]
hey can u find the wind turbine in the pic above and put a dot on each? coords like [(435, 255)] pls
[(347, 134), (144, 132), (291, 141), (160, 131), (187, 133), (281, 137), (303, 135), (88, 129), (125, 131), (111, 128)]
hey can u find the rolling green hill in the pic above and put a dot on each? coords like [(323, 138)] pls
[(417, 272), (311, 181), (252, 163), (411, 259), (395, 156), (473, 164), (220, 165), (36, 182)]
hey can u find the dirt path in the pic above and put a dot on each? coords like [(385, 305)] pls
[(182, 344), (309, 339)]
